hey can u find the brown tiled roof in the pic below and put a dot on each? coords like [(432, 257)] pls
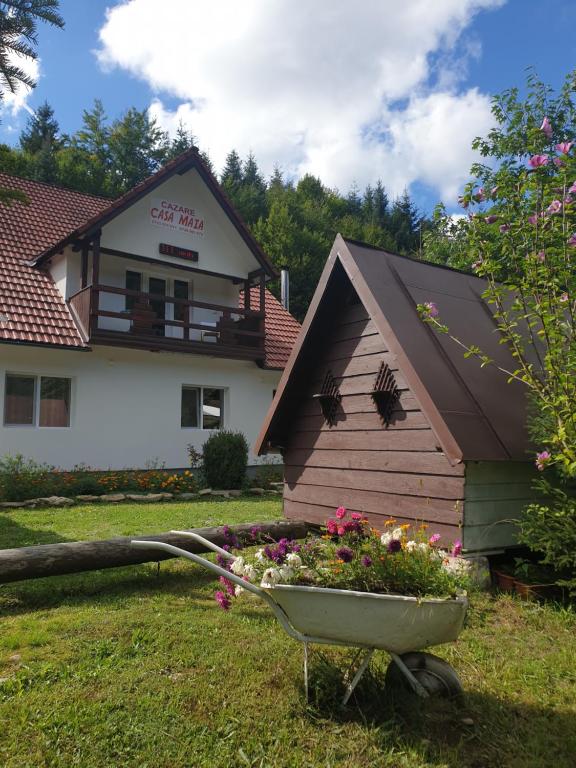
[(281, 329), (31, 307)]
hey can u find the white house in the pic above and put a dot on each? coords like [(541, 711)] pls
[(130, 329)]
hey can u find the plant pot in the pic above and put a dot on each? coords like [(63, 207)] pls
[(534, 591), (505, 582)]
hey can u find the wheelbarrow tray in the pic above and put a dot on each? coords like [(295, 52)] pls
[(394, 623)]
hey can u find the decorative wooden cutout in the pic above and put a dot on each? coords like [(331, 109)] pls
[(329, 398), (385, 393)]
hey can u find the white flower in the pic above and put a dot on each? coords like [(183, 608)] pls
[(238, 566), (294, 560), (250, 572), (270, 578), (238, 590), (423, 546), (286, 572), (386, 538), (411, 545), (260, 556), (397, 533), (459, 566)]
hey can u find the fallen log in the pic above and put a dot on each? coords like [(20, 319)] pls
[(77, 556)]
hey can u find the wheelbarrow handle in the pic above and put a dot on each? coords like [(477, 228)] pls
[(206, 543), (215, 568)]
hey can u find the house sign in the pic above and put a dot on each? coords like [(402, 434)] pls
[(179, 218), (174, 250)]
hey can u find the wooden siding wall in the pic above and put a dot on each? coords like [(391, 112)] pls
[(359, 463), (496, 494)]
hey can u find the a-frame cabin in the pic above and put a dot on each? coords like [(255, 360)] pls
[(378, 412)]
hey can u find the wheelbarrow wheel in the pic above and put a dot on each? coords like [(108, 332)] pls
[(435, 675)]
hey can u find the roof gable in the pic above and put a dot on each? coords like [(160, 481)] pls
[(180, 165), (473, 411)]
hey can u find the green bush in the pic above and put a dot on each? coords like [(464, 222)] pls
[(225, 459), (267, 473), (22, 478), (550, 531)]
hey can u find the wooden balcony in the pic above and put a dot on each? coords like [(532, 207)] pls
[(232, 332)]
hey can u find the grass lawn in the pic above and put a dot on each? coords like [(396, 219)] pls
[(130, 667)]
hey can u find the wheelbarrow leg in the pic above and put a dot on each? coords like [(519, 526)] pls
[(358, 676), (306, 669), (416, 686)]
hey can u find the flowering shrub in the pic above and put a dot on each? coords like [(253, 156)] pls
[(350, 555), (520, 236), (22, 478)]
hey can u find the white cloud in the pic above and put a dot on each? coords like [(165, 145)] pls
[(340, 90), (13, 103)]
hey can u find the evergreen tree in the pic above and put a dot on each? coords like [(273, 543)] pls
[(138, 148), (231, 176), (40, 140), (405, 225), (182, 142), (19, 38)]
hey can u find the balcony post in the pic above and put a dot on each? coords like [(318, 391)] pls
[(94, 293), (84, 265)]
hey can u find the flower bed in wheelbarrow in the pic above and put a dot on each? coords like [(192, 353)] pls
[(397, 591)]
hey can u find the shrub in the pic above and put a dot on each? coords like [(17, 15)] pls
[(550, 530), (267, 473), (22, 478), (225, 459)]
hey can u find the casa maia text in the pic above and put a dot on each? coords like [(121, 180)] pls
[(166, 213)]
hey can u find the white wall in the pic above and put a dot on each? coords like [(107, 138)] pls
[(126, 404), (220, 248)]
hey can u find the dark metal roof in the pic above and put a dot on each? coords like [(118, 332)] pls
[(474, 412)]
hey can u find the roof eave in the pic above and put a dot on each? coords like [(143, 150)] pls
[(182, 164)]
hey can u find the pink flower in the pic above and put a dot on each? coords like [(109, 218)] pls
[(572, 189), (546, 128), (572, 239), (542, 460), (559, 161), (332, 526), (222, 600), (554, 207), (356, 516), (457, 548), (434, 538), (480, 196), (533, 219), (341, 512), (564, 147), (341, 530), (536, 161), (541, 256), (490, 219), (494, 191), (504, 227), (564, 297), (431, 308)]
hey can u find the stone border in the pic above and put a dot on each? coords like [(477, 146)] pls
[(146, 498)]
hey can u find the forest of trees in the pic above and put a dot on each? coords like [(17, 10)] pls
[(294, 221)]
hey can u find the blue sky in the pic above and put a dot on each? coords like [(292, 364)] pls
[(392, 91)]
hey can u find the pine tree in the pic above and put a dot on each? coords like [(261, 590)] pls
[(40, 140), (231, 176), (405, 225), (41, 130), (182, 142)]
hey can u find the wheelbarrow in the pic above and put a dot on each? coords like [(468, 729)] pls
[(401, 626)]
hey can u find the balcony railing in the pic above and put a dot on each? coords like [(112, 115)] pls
[(231, 331)]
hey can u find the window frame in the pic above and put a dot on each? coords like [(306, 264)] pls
[(37, 377), (224, 406)]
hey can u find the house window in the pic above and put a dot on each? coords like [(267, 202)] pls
[(133, 283), (202, 408), (37, 401)]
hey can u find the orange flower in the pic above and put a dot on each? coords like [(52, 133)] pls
[(390, 521)]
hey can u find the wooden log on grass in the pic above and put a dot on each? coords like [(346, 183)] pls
[(76, 556)]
